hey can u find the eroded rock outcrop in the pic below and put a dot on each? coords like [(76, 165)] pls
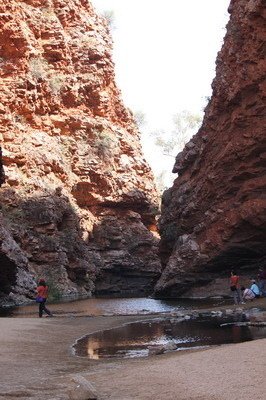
[(214, 216), (79, 199)]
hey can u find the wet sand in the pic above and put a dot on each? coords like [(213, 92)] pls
[(37, 363)]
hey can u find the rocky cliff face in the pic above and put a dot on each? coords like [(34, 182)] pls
[(78, 204), (214, 216)]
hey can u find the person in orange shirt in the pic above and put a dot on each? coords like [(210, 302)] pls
[(42, 290), (235, 288)]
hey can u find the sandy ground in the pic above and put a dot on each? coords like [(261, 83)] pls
[(37, 363), (231, 372)]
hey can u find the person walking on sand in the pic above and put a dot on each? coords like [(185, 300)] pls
[(42, 290), (235, 288)]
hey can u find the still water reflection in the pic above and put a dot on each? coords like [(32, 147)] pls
[(143, 338), (110, 306)]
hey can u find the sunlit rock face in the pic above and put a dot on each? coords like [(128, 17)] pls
[(78, 197), (214, 216)]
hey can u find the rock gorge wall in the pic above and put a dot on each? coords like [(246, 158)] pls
[(214, 216), (78, 204)]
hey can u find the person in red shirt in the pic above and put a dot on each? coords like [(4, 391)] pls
[(235, 288), (42, 290)]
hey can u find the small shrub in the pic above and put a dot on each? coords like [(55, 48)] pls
[(13, 214), (109, 15), (88, 41), (56, 83), (48, 13), (38, 67), (105, 144)]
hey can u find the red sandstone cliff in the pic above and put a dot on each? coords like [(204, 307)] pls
[(214, 216), (79, 198)]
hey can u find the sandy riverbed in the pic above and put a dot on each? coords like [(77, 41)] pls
[(37, 363)]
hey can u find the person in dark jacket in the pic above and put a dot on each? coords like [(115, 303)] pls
[(42, 290), (262, 281)]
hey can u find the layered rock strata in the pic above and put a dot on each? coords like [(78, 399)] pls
[(214, 216), (78, 203)]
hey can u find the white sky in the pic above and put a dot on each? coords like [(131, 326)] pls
[(164, 54)]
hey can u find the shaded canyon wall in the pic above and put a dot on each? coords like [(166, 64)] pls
[(78, 203), (214, 217)]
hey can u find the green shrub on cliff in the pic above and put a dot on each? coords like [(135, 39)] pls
[(38, 67), (105, 144)]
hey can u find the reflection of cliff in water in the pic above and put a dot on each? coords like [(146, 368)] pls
[(138, 339)]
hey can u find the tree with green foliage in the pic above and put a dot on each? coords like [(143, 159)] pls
[(140, 118), (185, 125), (169, 144), (109, 15)]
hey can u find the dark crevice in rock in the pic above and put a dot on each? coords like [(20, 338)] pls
[(8, 271), (2, 172)]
